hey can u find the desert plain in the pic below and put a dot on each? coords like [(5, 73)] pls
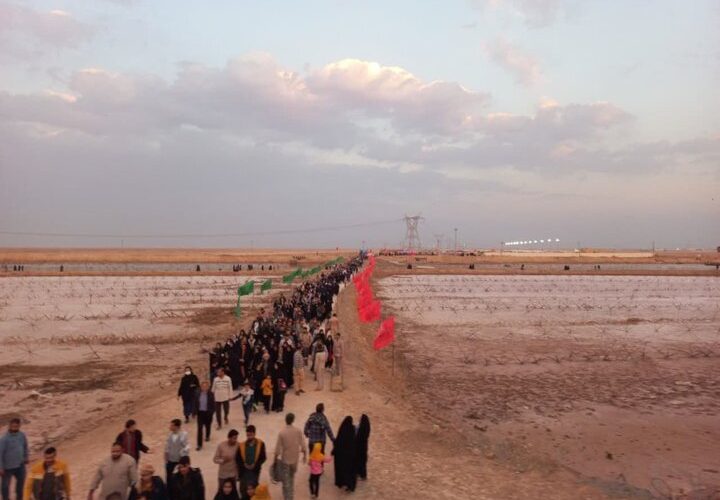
[(503, 382)]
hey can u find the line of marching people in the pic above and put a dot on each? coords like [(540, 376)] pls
[(256, 366)]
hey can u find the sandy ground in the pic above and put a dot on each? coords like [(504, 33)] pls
[(540, 379), (76, 350), (410, 457), (615, 378), (163, 255)]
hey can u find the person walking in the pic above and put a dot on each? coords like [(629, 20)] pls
[(290, 444), (361, 447), (204, 408), (226, 458), (344, 453), (317, 428), (317, 463), (227, 491), (250, 458), (116, 474), (298, 370), (150, 486), (189, 385), (334, 323), (14, 457), (187, 482), (48, 479), (320, 360), (267, 390), (262, 492), (176, 447), (246, 394), (339, 353), (131, 440), (223, 392)]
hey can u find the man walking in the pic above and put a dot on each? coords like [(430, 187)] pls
[(290, 444), (176, 447), (49, 479), (13, 459), (250, 458), (204, 408), (117, 473), (320, 360), (223, 392), (226, 458), (187, 482), (131, 440), (317, 428), (298, 370)]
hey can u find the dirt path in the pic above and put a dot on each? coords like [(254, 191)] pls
[(411, 455)]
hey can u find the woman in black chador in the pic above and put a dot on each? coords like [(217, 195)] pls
[(344, 453), (361, 447)]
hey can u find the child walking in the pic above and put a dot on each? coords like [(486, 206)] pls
[(267, 390), (317, 463)]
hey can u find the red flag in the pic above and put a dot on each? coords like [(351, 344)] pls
[(385, 334), (371, 312)]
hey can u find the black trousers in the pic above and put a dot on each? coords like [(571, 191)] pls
[(204, 422), (315, 484), (219, 407)]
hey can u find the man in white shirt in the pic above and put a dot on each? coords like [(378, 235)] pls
[(176, 446), (223, 392)]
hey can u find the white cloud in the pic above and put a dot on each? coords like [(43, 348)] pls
[(396, 94), (524, 68), (349, 112), (22, 26)]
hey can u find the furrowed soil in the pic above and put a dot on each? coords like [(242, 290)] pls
[(545, 386), (615, 378)]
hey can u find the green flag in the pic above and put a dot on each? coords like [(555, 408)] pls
[(289, 277), (267, 285), (246, 289), (237, 308)]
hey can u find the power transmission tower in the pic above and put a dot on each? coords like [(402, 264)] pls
[(438, 240), (412, 237)]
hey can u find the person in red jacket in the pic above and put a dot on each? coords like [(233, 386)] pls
[(131, 440)]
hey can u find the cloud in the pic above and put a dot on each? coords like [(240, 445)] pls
[(253, 95), (524, 68), (350, 141), (350, 112), (535, 13), (21, 26), (396, 94)]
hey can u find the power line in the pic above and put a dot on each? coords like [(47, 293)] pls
[(219, 235)]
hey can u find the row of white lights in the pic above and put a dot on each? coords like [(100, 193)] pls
[(530, 242)]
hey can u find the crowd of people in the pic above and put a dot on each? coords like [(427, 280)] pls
[(258, 366)]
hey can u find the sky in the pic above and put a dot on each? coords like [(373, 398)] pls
[(317, 123)]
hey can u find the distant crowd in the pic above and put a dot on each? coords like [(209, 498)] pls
[(258, 366)]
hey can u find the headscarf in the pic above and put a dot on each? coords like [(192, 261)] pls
[(317, 453), (147, 468), (363, 432), (261, 492)]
